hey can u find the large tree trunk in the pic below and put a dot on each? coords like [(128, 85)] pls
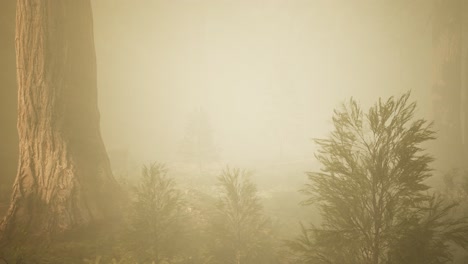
[(64, 178), (447, 81), (8, 95), (465, 77)]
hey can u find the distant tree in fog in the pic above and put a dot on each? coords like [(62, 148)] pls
[(198, 143), (371, 191), (156, 231), (456, 185), (447, 85), (241, 232)]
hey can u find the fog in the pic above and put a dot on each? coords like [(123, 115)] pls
[(266, 74), (209, 112)]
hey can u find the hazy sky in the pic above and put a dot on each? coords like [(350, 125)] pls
[(267, 73)]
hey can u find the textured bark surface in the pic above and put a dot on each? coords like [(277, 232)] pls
[(8, 98), (64, 178), (447, 81), (465, 78)]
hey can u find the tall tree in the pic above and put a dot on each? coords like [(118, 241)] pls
[(64, 178), (464, 53), (447, 81), (371, 190), (8, 95)]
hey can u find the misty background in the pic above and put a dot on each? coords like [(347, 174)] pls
[(206, 86), (264, 75), (267, 74)]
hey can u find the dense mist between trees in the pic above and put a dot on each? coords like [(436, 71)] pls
[(243, 132)]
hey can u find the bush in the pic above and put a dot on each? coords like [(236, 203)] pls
[(157, 230)]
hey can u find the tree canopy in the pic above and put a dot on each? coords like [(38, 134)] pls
[(371, 186)]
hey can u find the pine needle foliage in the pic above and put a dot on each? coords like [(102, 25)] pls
[(242, 233), (157, 232), (371, 185)]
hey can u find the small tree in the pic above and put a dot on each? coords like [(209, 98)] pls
[(241, 232), (371, 184), (157, 230)]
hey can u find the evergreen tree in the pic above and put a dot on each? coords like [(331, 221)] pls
[(241, 232), (198, 144), (157, 231), (371, 189)]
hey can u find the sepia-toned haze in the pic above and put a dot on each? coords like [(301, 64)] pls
[(196, 131), (267, 74)]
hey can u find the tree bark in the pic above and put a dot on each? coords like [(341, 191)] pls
[(64, 180), (464, 43), (8, 98)]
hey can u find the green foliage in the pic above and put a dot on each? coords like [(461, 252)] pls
[(304, 248), (241, 232), (423, 238), (456, 191), (371, 185), (156, 224)]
